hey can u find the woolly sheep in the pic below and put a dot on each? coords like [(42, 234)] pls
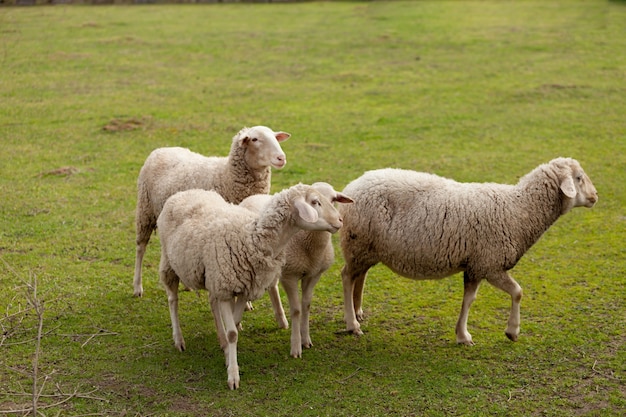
[(307, 256), (244, 172), (207, 243), (423, 226)]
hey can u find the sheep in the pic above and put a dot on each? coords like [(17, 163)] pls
[(244, 172), (235, 254), (308, 255), (423, 226)]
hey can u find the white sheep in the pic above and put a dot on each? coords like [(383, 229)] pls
[(207, 243), (307, 256), (244, 172), (423, 226)]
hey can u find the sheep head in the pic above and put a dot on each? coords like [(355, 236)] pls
[(262, 147), (576, 186), (314, 211)]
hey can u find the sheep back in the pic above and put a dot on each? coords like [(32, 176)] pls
[(424, 226), (169, 170)]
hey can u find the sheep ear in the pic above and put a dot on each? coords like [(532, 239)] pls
[(305, 211), (342, 198), (282, 136), (568, 187), (243, 140)]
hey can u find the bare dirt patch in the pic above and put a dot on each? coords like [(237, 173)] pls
[(122, 125)]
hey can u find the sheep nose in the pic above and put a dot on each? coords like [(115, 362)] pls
[(280, 161)]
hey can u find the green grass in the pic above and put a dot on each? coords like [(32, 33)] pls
[(477, 91)]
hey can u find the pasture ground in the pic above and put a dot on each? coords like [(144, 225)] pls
[(476, 91)]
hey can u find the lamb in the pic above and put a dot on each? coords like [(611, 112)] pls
[(423, 226), (235, 254), (308, 255), (244, 172)]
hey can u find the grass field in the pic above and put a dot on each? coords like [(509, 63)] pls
[(476, 91)]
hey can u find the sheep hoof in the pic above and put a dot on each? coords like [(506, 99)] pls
[(512, 337), (360, 316), (466, 342), (357, 332)]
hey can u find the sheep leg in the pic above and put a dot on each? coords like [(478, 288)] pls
[(226, 312), (144, 226), (277, 305), (348, 280), (140, 252), (507, 284), (291, 289), (170, 281), (470, 288), (357, 294), (219, 325), (307, 296), (239, 307)]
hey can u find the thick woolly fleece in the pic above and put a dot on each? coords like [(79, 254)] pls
[(244, 172), (170, 170), (224, 248), (424, 226)]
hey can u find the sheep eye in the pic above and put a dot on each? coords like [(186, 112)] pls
[(254, 139), (316, 202)]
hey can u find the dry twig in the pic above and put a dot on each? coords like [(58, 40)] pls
[(593, 368), (37, 304), (343, 380)]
